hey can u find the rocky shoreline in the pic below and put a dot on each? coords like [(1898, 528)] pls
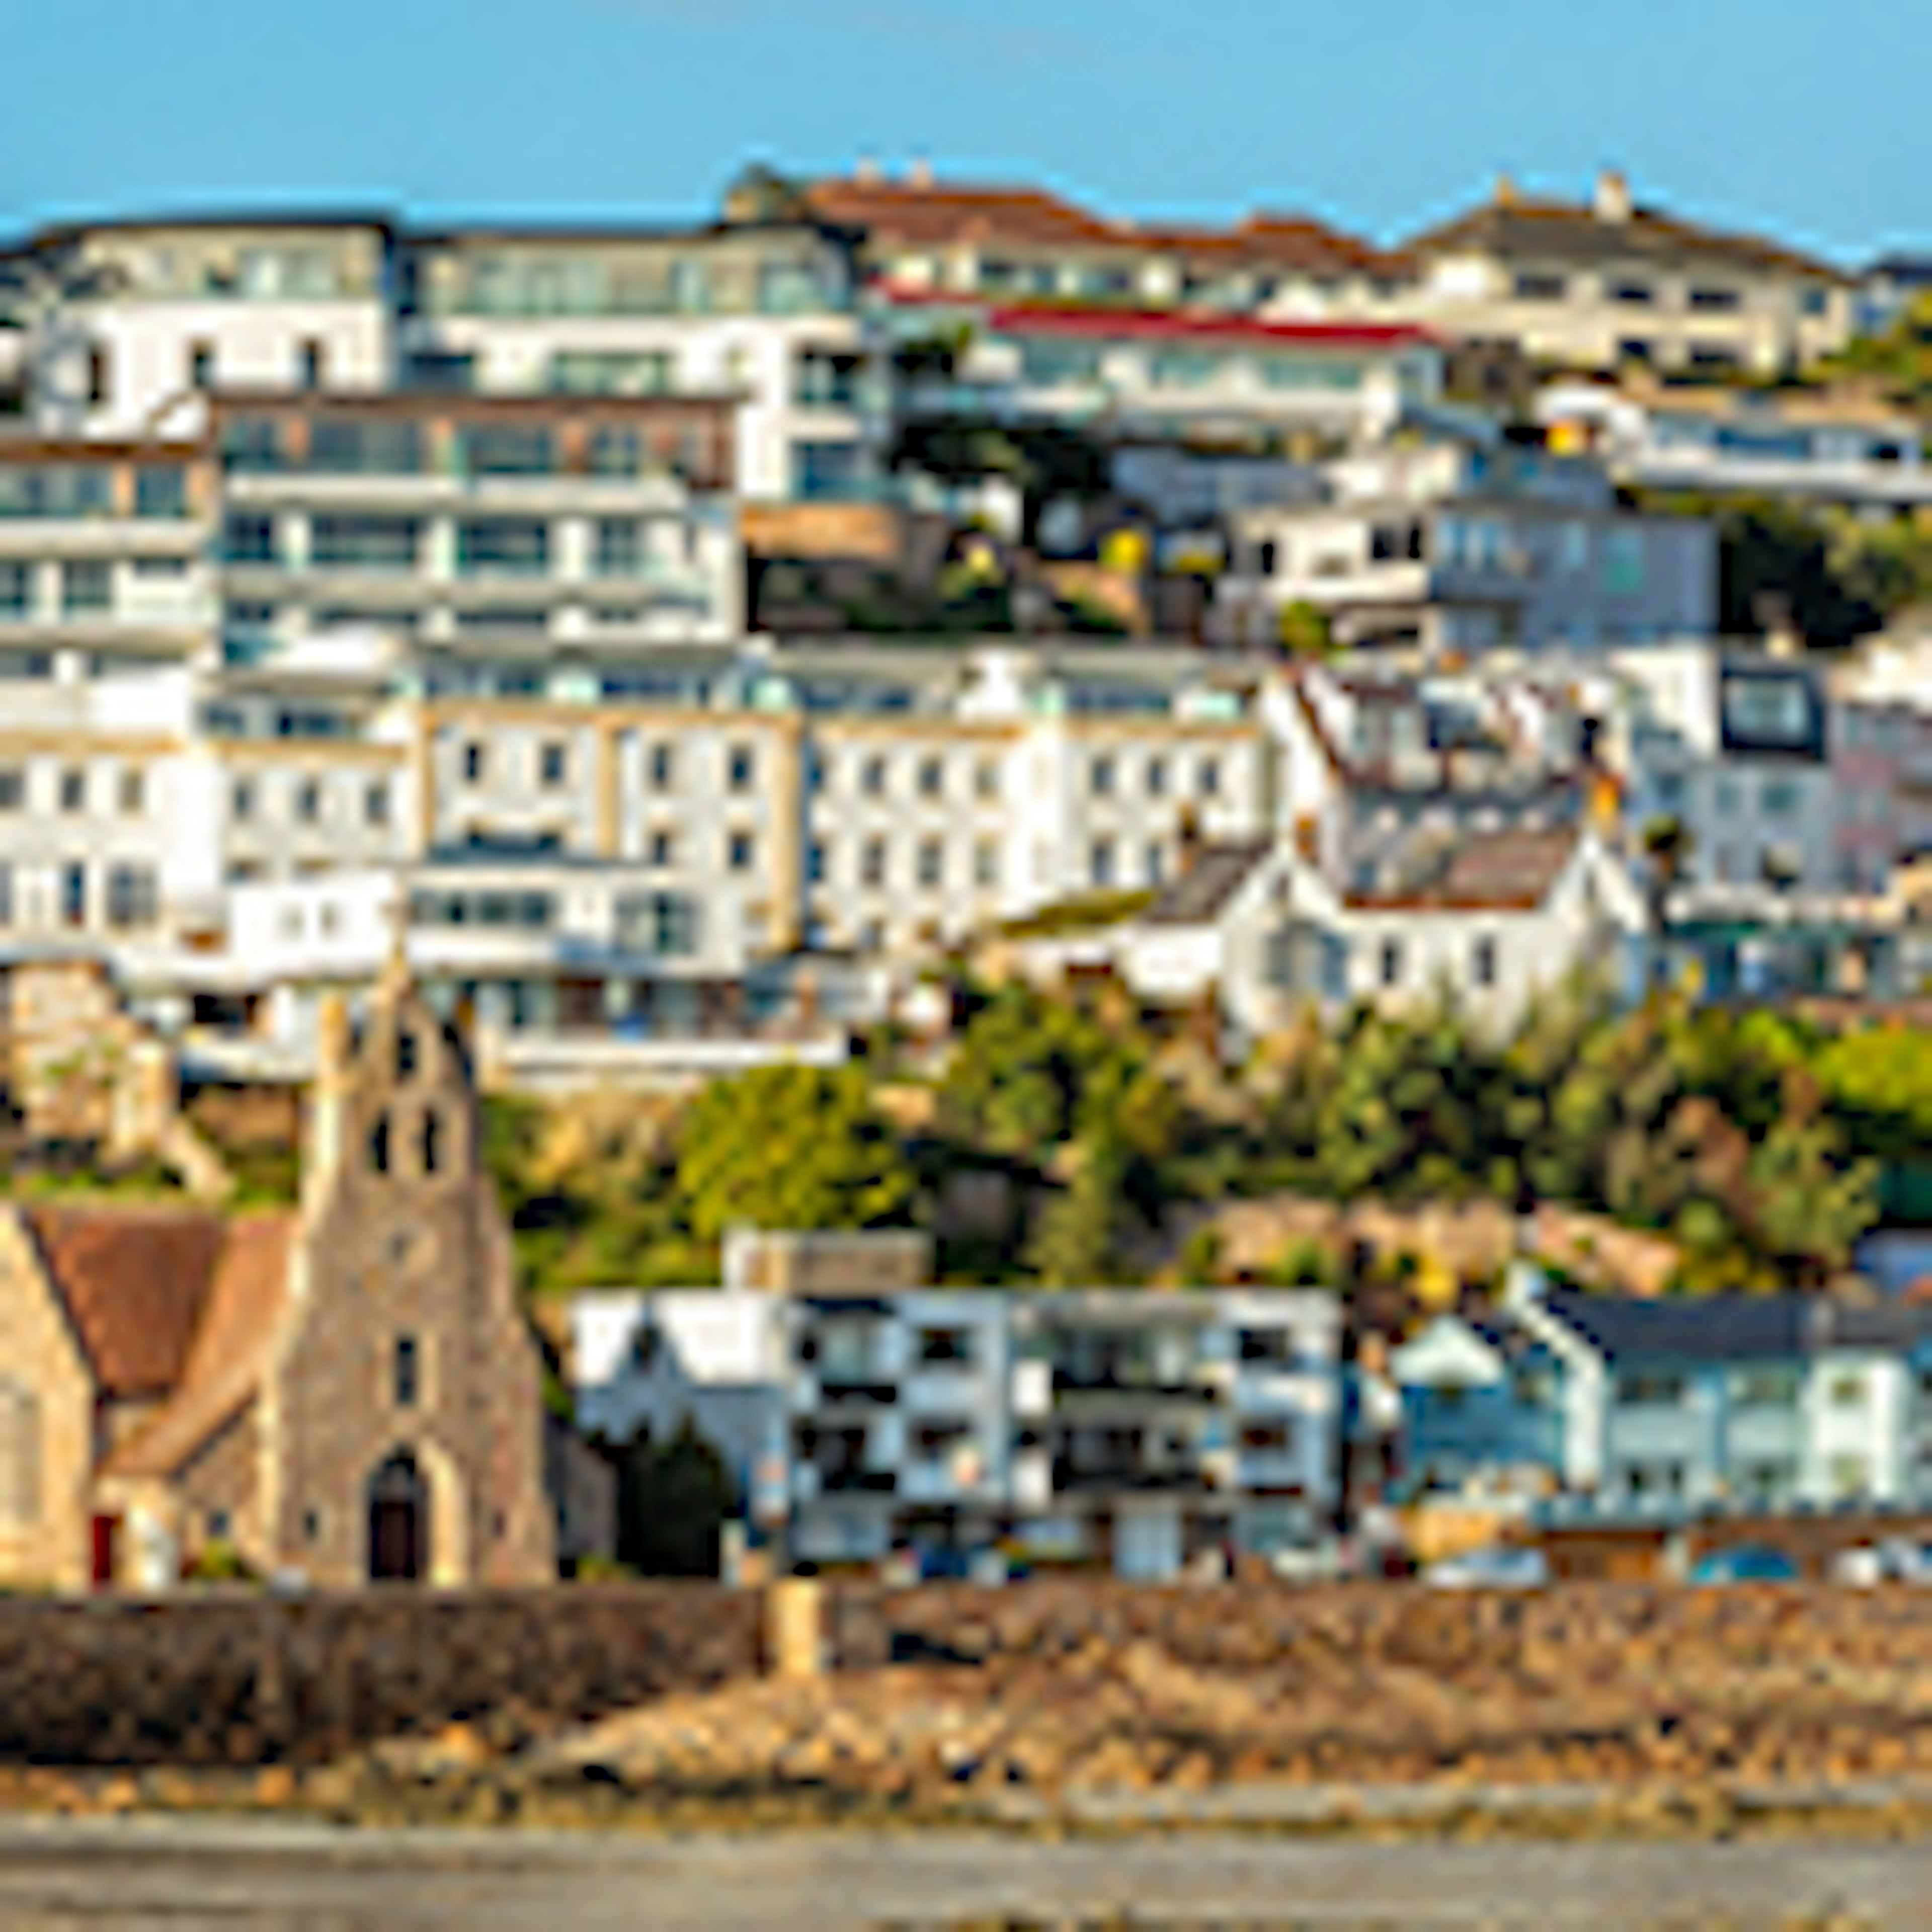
[(1128, 1737)]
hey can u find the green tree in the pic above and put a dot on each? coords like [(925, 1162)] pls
[(1078, 1243), (1305, 632), (790, 1147), (673, 1501)]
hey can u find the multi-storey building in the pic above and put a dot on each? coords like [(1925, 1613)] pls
[(1805, 448), (135, 323), (1608, 283), (1664, 1409), (766, 312), (1465, 547), (860, 1411)]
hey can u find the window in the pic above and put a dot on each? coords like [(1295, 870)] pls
[(1100, 862), (1534, 287), (86, 588), (1633, 294), (160, 489), (474, 758), (352, 448), (1211, 777), (1847, 1389), (20, 1456), (1641, 1388), (379, 1146), (200, 365), (1269, 1348), (97, 383), (1274, 1437), (814, 863), (364, 543), (1391, 962), (73, 789), (932, 778), (504, 546), (1717, 301), (620, 551), (932, 862), (986, 862), (872, 862), (508, 450), (1100, 777), (986, 778), (375, 803), (554, 764), (73, 895), (872, 777), (308, 801), (311, 364), (406, 1370), (134, 896), (1766, 1388), (741, 768), (432, 1138), (950, 1346), (406, 1053), (13, 788), (742, 852), (1482, 961), (248, 539), (17, 590), (661, 851), (241, 800)]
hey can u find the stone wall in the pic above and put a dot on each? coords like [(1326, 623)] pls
[(247, 1680)]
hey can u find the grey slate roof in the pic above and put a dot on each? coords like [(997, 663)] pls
[(1712, 1328), (1201, 894)]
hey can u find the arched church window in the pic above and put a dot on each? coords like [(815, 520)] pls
[(20, 1456)]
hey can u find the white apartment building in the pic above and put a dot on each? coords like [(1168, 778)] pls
[(137, 322), (1734, 746), (1608, 283), (1807, 449), (1464, 546), (858, 1414), (1128, 376), (767, 314)]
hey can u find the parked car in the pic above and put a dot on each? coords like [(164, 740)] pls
[(1500, 1567), (1745, 1563), (1898, 1559)]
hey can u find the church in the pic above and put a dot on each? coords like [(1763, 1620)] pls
[(345, 1394)]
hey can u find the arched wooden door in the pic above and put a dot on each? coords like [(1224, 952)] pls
[(398, 1522)]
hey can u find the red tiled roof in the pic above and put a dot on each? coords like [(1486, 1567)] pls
[(943, 212), (1068, 318), (135, 1282), (224, 1370)]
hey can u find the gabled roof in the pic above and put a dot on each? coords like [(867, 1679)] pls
[(1201, 893), (135, 1282), (230, 1349), (1516, 229), (1712, 1328), (941, 213), (1513, 870)]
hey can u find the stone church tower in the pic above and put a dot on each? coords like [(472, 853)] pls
[(401, 1404)]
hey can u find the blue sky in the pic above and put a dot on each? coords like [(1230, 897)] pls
[(1773, 113)]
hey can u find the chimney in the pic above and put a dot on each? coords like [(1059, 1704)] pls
[(918, 175), (865, 171), (1613, 197), (1506, 194)]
